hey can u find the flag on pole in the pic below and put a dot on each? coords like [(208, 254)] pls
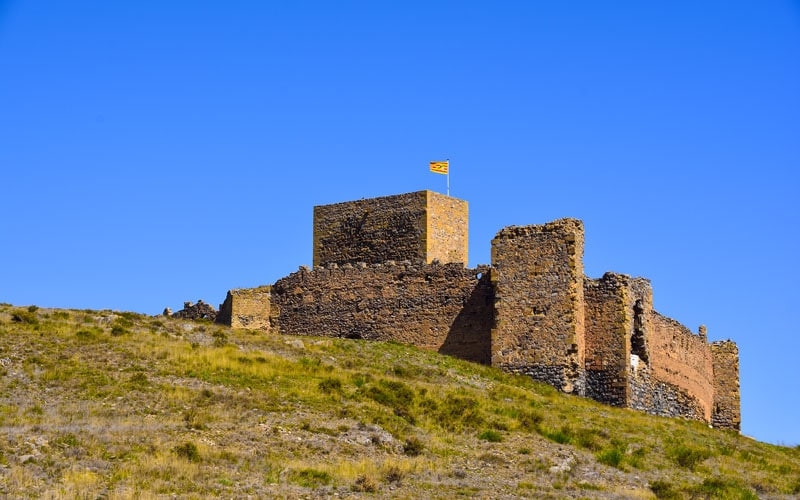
[(440, 167)]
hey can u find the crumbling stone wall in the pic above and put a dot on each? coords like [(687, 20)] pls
[(446, 308), (682, 359), (201, 310), (726, 413), (419, 227), (246, 308), (661, 398), (537, 272)]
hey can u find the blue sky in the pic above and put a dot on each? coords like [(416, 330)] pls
[(156, 152)]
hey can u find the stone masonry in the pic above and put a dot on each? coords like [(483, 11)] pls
[(393, 268)]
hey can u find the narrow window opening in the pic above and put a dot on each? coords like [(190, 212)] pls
[(638, 346)]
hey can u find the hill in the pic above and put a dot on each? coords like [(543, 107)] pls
[(118, 405)]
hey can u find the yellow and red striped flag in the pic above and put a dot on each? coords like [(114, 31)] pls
[(440, 167)]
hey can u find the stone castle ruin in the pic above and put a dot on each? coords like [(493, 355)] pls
[(394, 268)]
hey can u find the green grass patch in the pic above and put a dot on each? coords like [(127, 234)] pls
[(310, 478), (688, 457), (490, 435)]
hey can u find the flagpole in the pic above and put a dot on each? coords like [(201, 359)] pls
[(448, 177)]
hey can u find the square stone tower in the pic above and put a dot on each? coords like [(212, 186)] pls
[(419, 227), (537, 273)]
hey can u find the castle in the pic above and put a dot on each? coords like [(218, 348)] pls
[(394, 268)]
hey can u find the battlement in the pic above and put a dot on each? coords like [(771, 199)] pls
[(393, 268)]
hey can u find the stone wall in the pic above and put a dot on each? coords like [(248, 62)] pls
[(246, 308), (726, 412), (608, 322), (681, 359), (446, 308), (373, 230), (537, 273), (447, 229)]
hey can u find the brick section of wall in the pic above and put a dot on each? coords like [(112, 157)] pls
[(661, 398), (726, 413), (539, 325), (683, 360), (447, 229), (246, 308), (373, 230), (446, 308)]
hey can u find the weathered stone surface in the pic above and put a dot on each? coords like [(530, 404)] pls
[(446, 308), (726, 411)]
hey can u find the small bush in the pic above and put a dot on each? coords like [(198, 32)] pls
[(117, 330), (139, 380), (413, 447), (560, 436), (60, 315), (330, 385), (86, 334), (33, 309), (25, 317), (366, 484), (188, 450), (795, 487), (723, 488), (393, 474), (663, 490), (220, 339), (529, 420), (687, 457), (194, 419), (612, 457), (456, 412), (310, 478), (524, 451), (490, 435)]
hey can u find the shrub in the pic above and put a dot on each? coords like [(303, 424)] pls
[(33, 309), (329, 385), (529, 420), (117, 330), (24, 317), (366, 484), (612, 457), (310, 478), (795, 487), (393, 474), (413, 447), (722, 488), (459, 411), (686, 456), (560, 436), (188, 450), (86, 334), (663, 490), (490, 435)]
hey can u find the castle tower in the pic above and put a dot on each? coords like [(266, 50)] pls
[(726, 413), (420, 227), (539, 307)]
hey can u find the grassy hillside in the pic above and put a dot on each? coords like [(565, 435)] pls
[(119, 405)]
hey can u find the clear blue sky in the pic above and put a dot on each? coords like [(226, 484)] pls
[(156, 152)]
